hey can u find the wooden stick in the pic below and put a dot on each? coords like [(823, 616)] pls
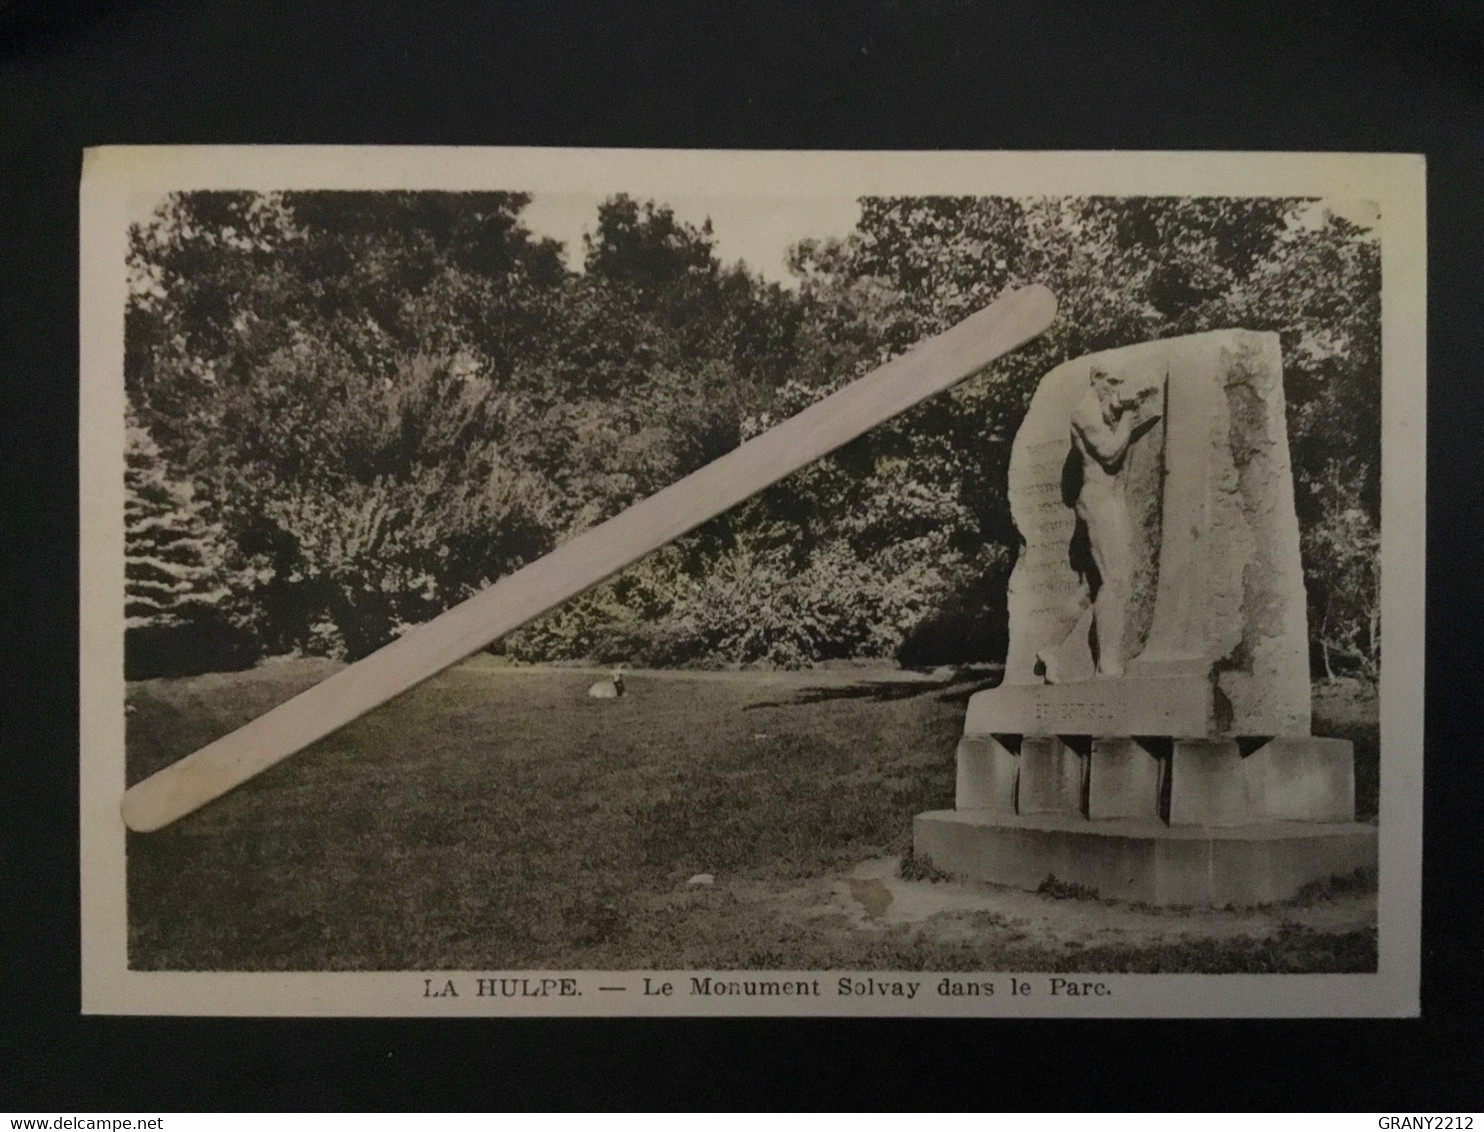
[(584, 561)]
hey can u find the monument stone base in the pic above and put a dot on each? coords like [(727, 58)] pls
[(1145, 860), (1202, 821)]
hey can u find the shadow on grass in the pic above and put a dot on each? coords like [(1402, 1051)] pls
[(956, 689)]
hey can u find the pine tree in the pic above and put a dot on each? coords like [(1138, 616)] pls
[(178, 601)]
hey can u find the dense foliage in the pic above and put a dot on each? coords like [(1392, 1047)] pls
[(360, 408)]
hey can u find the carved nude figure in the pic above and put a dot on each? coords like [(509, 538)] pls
[(1105, 422)]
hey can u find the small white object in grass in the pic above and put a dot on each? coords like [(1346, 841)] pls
[(609, 689), (702, 879), (759, 736)]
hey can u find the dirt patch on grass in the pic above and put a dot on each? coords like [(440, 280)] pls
[(948, 905), (872, 918)]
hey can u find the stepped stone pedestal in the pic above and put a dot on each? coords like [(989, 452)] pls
[(1145, 861), (1151, 737)]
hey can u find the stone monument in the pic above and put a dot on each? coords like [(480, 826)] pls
[(1151, 737)]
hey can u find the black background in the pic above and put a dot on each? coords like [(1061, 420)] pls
[(1406, 76)]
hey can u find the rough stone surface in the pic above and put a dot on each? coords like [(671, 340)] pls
[(986, 775), (1123, 781), (1206, 783), (1302, 778), (1218, 594), (1050, 777), (1257, 863)]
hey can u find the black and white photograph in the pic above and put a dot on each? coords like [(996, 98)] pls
[(579, 582)]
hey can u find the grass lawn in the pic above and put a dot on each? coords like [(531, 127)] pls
[(497, 818)]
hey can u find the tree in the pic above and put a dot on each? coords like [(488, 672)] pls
[(183, 607), (331, 371), (385, 501), (386, 400), (223, 281), (1342, 553), (645, 247)]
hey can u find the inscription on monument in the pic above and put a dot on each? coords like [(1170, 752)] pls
[(1084, 716)]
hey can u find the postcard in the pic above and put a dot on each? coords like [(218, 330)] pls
[(542, 582)]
